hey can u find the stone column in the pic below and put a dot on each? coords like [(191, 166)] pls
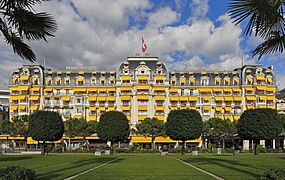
[(273, 143), (262, 143), (245, 145)]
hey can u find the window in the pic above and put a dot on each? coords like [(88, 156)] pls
[(78, 100), (205, 82), (58, 92), (182, 92), (67, 92)]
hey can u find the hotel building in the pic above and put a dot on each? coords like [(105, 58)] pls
[(141, 87)]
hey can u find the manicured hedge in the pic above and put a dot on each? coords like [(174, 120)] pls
[(16, 173), (274, 174)]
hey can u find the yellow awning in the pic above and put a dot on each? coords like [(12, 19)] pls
[(79, 89), (192, 80), (125, 98), (217, 89), (102, 109), (92, 98), (111, 89), (207, 108), (13, 88), (249, 88), (174, 98), (260, 78), (237, 98), (77, 117), (92, 118), (142, 108), (236, 117), (142, 78), (13, 108), (193, 98), (22, 107), (227, 90), (159, 78), (269, 80), (102, 89), (161, 118), (92, 108), (218, 80), (236, 89), (271, 107), (13, 98), (183, 98), (219, 98), (228, 108), (204, 90), (23, 88), (227, 79), (141, 118), (24, 77), (36, 70), (79, 79), (125, 108), (35, 89), (159, 108), (48, 89), (142, 87), (22, 97), (271, 98), (228, 117), (65, 98), (173, 90), (35, 78), (101, 98), (142, 97), (31, 141), (159, 89), (236, 79), (159, 98), (251, 98), (111, 98), (92, 89), (261, 88), (271, 89), (34, 108), (111, 108), (263, 98), (249, 79), (57, 79), (229, 98), (34, 98), (126, 78), (250, 107), (207, 98), (219, 109), (126, 89), (173, 108), (261, 106), (81, 73), (182, 80)]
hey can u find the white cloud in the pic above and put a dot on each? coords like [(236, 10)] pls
[(163, 17)]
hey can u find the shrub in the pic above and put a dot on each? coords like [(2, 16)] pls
[(273, 174), (16, 173)]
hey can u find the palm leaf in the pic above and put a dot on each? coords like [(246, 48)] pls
[(276, 43), (19, 47), (32, 26)]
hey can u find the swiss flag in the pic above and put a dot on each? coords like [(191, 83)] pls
[(144, 46)]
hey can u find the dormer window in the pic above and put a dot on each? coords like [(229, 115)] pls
[(205, 82)]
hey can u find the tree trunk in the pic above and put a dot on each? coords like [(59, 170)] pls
[(255, 148), (183, 148), (152, 142), (44, 148), (25, 144), (223, 143)]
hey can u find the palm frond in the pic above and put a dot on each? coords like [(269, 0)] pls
[(24, 4), (32, 26), (263, 16), (276, 43), (19, 47)]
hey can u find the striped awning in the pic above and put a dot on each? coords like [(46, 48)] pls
[(126, 78), (101, 98), (92, 98), (237, 98), (159, 78), (142, 78), (34, 98), (207, 108), (251, 98), (159, 98), (159, 108), (229, 98), (125, 98), (111, 98), (65, 98), (159, 89), (142, 108), (79, 89), (260, 78), (35, 89), (142, 87), (183, 98), (193, 98), (24, 77), (174, 98), (125, 108), (173, 90), (34, 108), (219, 98), (142, 97), (23, 88)]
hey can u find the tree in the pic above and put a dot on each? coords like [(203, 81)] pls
[(19, 22), (259, 124), (46, 126), (151, 127), (265, 19), (6, 127), (21, 124), (217, 127), (184, 125), (114, 127), (80, 127)]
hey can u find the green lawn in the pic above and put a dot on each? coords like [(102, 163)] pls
[(145, 166)]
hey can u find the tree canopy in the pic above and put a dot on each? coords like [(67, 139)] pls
[(184, 125), (259, 124), (19, 22), (151, 127), (265, 19), (113, 126), (46, 126)]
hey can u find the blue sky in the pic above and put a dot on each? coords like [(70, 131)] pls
[(185, 34)]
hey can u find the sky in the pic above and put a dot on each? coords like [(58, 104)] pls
[(185, 34)]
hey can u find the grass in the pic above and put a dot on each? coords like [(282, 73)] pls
[(145, 166)]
